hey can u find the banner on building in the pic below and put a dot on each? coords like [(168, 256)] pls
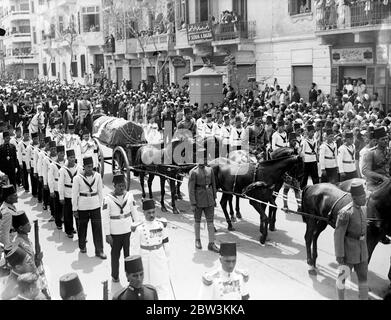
[(178, 61), (352, 56), (381, 54), (199, 32)]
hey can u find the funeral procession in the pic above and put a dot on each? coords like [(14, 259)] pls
[(195, 150)]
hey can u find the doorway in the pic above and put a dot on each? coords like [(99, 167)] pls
[(119, 76), (302, 79)]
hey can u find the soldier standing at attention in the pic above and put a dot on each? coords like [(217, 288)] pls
[(89, 149), (202, 193), (32, 148), (118, 214), (346, 159), (41, 164), (65, 182), (150, 241), (280, 137), (328, 158), (350, 242), (136, 290), (87, 199), (310, 158), (225, 134), (227, 282), (53, 176), (38, 166), (71, 287), (24, 161), (8, 159), (45, 172), (72, 140), (237, 136)]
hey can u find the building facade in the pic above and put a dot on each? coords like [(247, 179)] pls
[(20, 58)]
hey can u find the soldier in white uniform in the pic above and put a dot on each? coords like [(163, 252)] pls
[(31, 150), (65, 182), (43, 153), (208, 133), (236, 139), (53, 176), (7, 209), (87, 200), (118, 215), (24, 161), (200, 123), (328, 158), (38, 165), (150, 240), (72, 141), (227, 282), (225, 134), (88, 149), (280, 137), (45, 173), (346, 159), (309, 151)]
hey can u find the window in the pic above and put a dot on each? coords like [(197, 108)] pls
[(24, 6), (202, 10), (184, 12), (45, 69), (91, 19), (41, 2), (74, 68), (83, 64), (53, 67), (24, 29), (299, 6), (61, 24), (99, 62), (34, 36), (32, 7)]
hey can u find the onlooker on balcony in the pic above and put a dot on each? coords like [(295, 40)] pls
[(331, 14), (376, 103), (344, 14)]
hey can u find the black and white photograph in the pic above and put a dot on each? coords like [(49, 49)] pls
[(195, 150)]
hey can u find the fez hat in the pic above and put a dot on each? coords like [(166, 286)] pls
[(34, 135), (238, 118), (60, 149), (71, 126), (70, 285), (148, 204), (7, 191), (70, 153), (310, 127), (329, 124), (26, 130), (280, 123), (329, 131), (133, 264), (379, 133), (6, 134), (226, 117), (292, 136), (118, 177), (19, 220), (357, 188), (269, 118), (228, 249), (16, 256), (257, 114), (297, 126), (209, 115), (52, 144), (187, 110), (87, 161), (85, 131), (48, 139), (348, 134)]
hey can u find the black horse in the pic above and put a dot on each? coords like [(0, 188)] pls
[(234, 178), (325, 200)]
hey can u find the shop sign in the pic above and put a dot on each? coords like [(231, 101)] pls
[(199, 32), (178, 61), (352, 56), (382, 54)]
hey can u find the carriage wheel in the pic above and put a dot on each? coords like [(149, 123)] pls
[(101, 159), (121, 163)]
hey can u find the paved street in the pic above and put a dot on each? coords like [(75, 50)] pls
[(277, 270)]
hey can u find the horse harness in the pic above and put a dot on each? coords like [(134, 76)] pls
[(254, 176), (329, 215)]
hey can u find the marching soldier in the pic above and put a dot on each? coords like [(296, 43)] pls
[(202, 194), (236, 139), (88, 148), (24, 161), (45, 172), (150, 241), (7, 210), (53, 176), (346, 159), (87, 199), (65, 182), (32, 148), (376, 164), (280, 137), (350, 242), (328, 158), (136, 290), (227, 282), (118, 214), (310, 158), (71, 287), (8, 159)]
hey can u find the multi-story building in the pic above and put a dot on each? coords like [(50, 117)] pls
[(70, 33), (20, 56)]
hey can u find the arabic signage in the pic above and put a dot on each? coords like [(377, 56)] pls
[(178, 61), (199, 32), (352, 56), (382, 54)]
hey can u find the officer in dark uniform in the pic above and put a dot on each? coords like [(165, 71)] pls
[(257, 136), (189, 122), (8, 159), (71, 287), (136, 289)]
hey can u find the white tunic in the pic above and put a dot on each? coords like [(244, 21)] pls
[(22, 153), (150, 240), (53, 175), (220, 285), (209, 130), (279, 140), (200, 125), (328, 156), (89, 149), (65, 181), (346, 160), (86, 197), (225, 133), (237, 137), (309, 147)]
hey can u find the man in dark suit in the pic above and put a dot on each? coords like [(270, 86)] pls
[(8, 159)]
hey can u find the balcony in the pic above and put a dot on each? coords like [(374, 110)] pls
[(91, 39), (15, 16), (20, 37), (235, 31), (361, 16), (108, 48), (128, 46), (161, 42)]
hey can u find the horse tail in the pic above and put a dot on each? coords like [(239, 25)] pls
[(303, 208)]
